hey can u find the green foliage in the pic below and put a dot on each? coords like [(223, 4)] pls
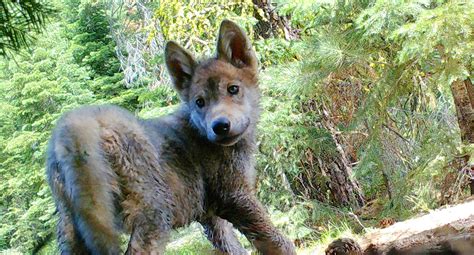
[(287, 138), (34, 91), (448, 50), (189, 241), (87, 27), (274, 51), (72, 64), (92, 45), (381, 68), (195, 23), (18, 19), (401, 57)]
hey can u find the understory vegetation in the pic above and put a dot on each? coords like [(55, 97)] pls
[(365, 84)]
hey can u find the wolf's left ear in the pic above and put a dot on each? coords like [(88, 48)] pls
[(180, 64), (234, 46)]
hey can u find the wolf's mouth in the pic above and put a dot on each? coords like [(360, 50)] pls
[(229, 140)]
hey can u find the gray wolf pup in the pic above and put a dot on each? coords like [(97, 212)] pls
[(110, 171)]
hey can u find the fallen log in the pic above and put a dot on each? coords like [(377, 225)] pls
[(444, 231)]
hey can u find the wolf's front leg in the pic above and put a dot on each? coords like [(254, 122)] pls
[(149, 237), (220, 232), (246, 213)]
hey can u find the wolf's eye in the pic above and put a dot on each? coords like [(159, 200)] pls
[(233, 90), (200, 102)]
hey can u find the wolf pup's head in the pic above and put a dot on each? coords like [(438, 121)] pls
[(221, 93)]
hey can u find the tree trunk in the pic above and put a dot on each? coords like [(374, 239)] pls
[(448, 229), (344, 188), (443, 231), (463, 94), (270, 23), (334, 166)]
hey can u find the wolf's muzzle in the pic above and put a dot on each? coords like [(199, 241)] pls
[(221, 126)]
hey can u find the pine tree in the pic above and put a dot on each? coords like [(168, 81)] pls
[(18, 19), (88, 28), (35, 89), (383, 69)]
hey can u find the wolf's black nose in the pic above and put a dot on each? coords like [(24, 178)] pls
[(221, 126)]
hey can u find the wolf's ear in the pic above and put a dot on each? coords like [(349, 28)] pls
[(180, 64), (234, 46)]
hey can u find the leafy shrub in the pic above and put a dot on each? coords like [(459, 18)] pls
[(194, 24)]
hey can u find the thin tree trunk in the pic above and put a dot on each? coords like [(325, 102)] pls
[(334, 166), (344, 188), (463, 94), (138, 37), (269, 23)]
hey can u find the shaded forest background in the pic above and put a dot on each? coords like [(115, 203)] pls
[(367, 104)]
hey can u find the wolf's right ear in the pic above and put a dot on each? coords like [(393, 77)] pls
[(180, 64), (234, 46)]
